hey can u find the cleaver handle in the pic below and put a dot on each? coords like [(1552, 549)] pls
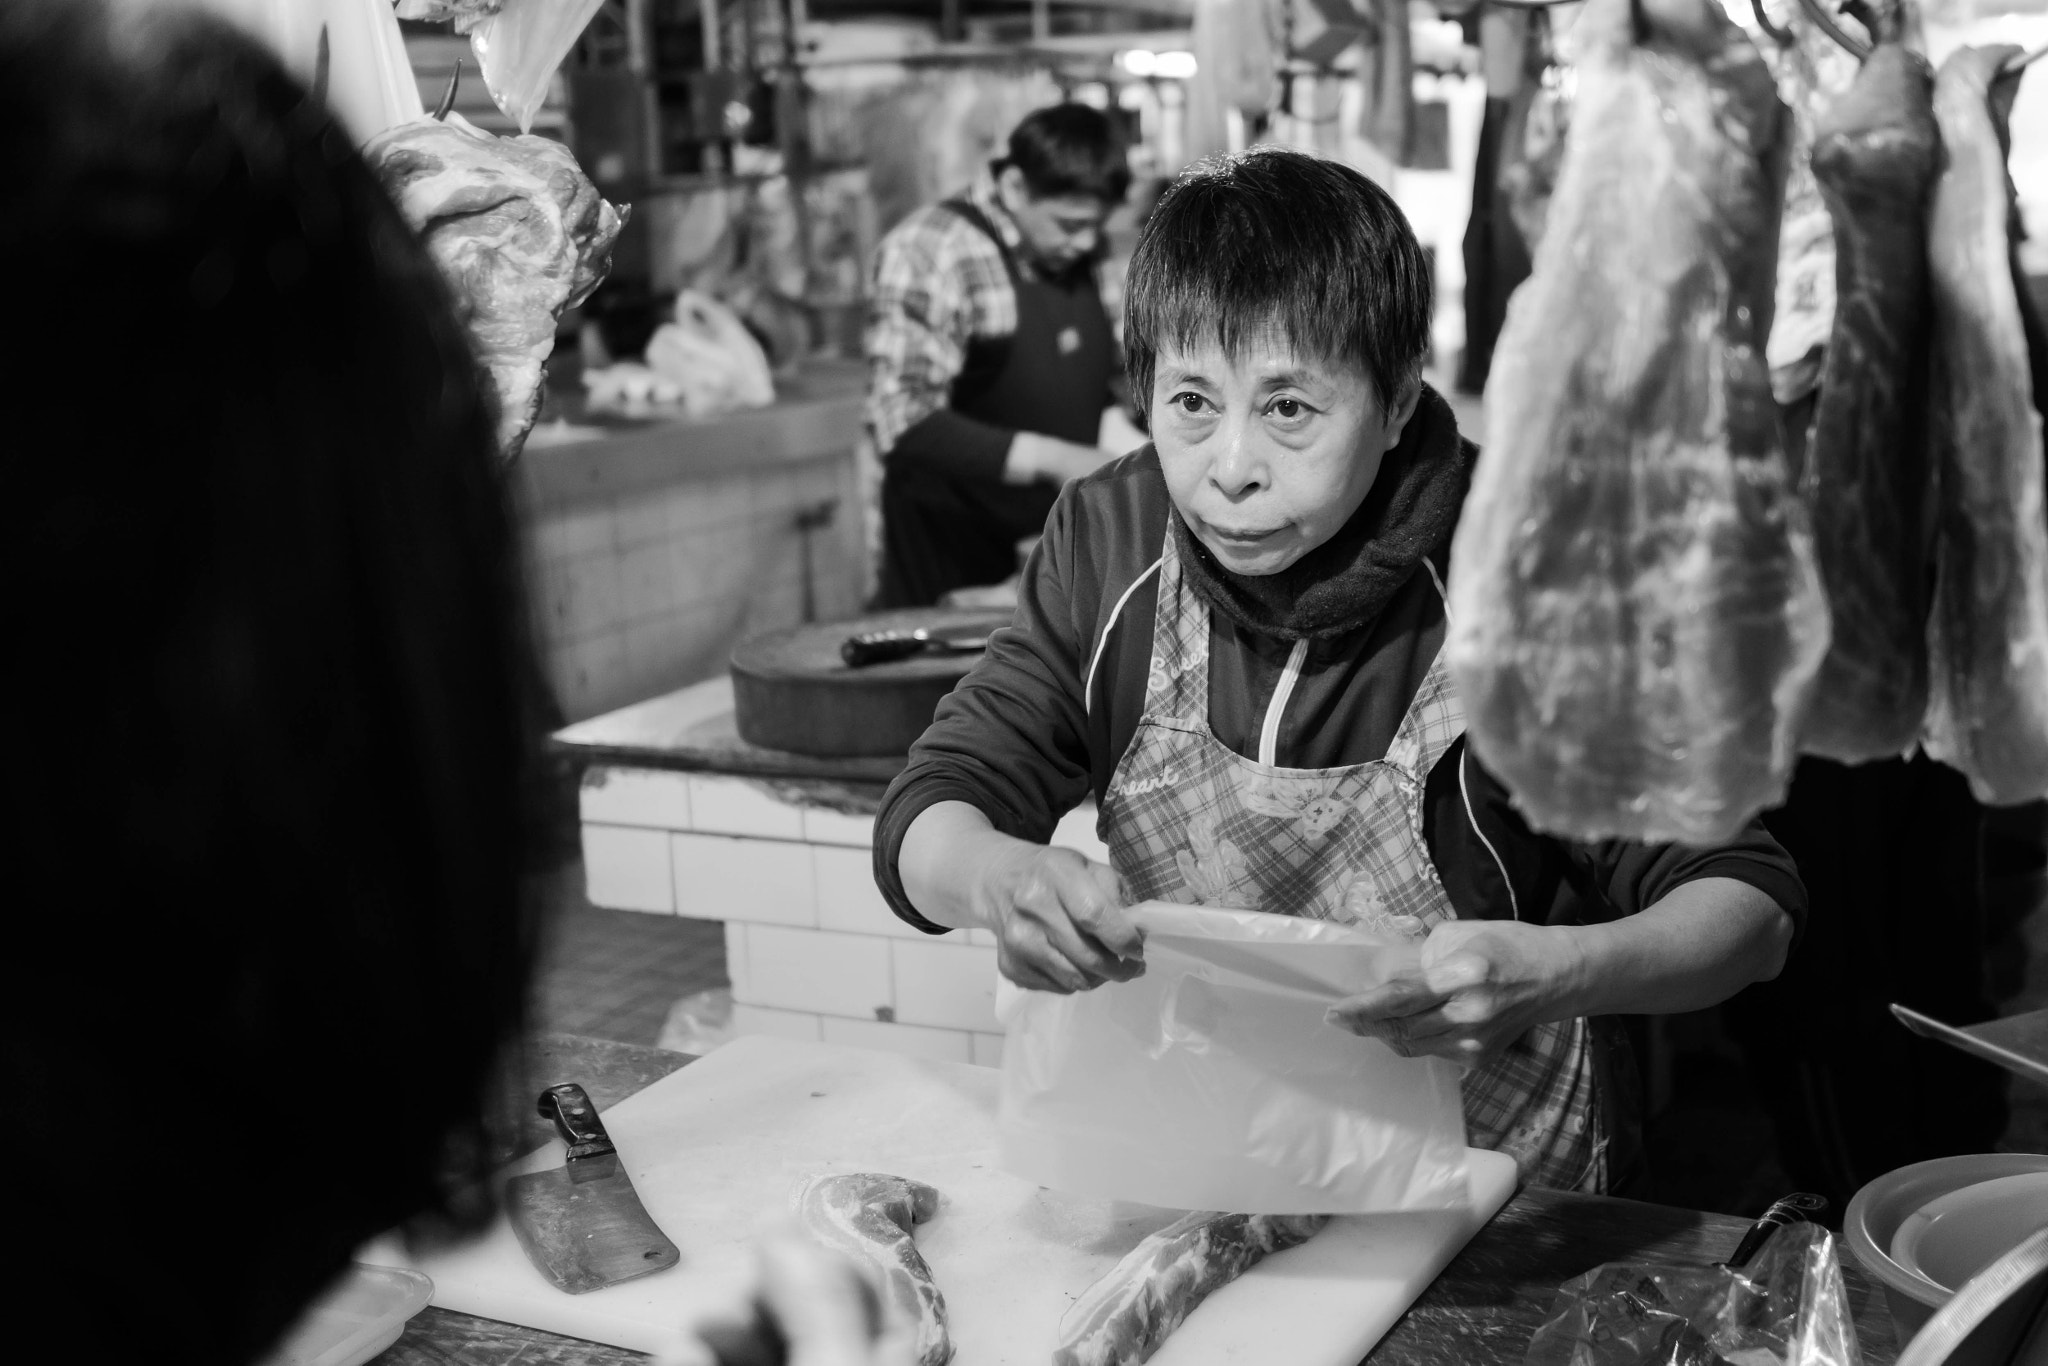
[(576, 1121)]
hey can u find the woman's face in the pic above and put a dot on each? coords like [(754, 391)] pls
[(1268, 454)]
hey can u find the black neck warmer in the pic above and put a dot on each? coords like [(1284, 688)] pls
[(1348, 580)]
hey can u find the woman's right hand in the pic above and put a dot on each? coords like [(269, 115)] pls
[(1057, 916), (1058, 919)]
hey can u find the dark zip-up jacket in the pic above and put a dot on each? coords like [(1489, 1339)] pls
[(1018, 741)]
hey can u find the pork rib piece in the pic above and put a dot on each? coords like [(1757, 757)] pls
[(1636, 617), (520, 235), (1987, 638), (1123, 1317), (869, 1216), (1865, 478)]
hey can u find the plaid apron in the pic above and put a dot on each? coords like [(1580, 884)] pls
[(1187, 819)]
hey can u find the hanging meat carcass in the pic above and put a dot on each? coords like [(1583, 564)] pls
[(1988, 631), (1864, 476), (1636, 618), (520, 233)]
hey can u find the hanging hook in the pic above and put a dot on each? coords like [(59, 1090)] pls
[(1825, 22), (1781, 36), (2020, 61), (448, 96)]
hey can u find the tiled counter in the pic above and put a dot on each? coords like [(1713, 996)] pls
[(784, 861), (653, 547)]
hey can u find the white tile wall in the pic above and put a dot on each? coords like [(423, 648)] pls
[(783, 1024), (812, 950), (647, 583), (834, 974), (635, 796), (836, 827), (733, 806), (738, 962), (848, 898), (759, 881), (952, 986), (940, 1045), (627, 869)]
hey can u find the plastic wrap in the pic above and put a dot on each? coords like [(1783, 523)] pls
[(1636, 615), (518, 48), (1787, 1307), (370, 84), (1214, 1081)]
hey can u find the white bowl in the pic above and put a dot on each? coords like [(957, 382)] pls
[(1950, 1239)]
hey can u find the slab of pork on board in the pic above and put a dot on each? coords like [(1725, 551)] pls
[(1636, 617), (1864, 474), (1987, 635)]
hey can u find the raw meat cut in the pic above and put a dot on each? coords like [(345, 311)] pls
[(1987, 638), (1813, 72), (1123, 1317), (869, 1216), (520, 234), (1636, 617), (1864, 478)]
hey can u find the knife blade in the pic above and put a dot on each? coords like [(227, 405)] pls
[(581, 1224)]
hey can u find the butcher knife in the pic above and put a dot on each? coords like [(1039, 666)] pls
[(877, 647), (581, 1224)]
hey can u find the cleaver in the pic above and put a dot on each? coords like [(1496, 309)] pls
[(581, 1224)]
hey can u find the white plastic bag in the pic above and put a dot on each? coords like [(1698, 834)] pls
[(1214, 1082), (710, 356), (370, 84), (518, 49)]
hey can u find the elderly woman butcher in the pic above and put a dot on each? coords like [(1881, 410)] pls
[(1233, 638)]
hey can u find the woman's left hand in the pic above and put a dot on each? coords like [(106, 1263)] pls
[(1481, 985)]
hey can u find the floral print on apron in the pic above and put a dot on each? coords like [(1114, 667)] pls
[(1188, 819)]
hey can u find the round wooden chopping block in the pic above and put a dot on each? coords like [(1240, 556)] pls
[(791, 691)]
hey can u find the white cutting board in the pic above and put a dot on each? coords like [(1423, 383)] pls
[(715, 1149)]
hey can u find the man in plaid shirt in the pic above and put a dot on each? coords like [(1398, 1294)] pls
[(990, 356)]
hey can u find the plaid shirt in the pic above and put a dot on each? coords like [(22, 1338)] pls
[(938, 283)]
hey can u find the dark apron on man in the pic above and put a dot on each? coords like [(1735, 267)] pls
[(942, 530)]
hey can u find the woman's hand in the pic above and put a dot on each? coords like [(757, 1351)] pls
[(1481, 985), (1056, 915), (1058, 920), (804, 1305)]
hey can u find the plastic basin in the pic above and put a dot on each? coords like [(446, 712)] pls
[(1877, 1211)]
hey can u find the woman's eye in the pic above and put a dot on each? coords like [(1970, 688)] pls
[(1287, 408), (1188, 402)]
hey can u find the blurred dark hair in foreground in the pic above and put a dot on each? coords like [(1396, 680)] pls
[(272, 695)]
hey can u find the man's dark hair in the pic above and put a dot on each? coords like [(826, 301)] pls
[(273, 791), (1068, 149), (1275, 241)]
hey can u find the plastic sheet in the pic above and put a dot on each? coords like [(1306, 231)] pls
[(370, 84), (1787, 1307), (518, 49), (1214, 1082)]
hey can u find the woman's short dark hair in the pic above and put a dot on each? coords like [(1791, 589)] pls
[(1241, 247), (276, 707), (1069, 149)]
